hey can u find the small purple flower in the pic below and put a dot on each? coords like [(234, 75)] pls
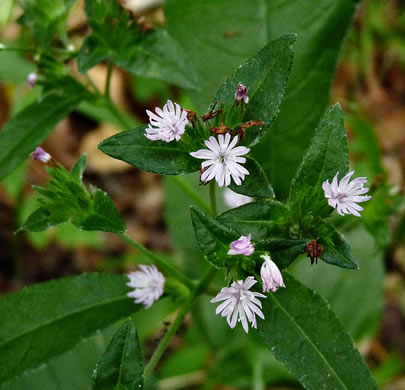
[(40, 155), (31, 80), (242, 246), (271, 275), (241, 94)]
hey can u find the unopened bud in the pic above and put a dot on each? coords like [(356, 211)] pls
[(241, 94), (40, 155), (31, 80)]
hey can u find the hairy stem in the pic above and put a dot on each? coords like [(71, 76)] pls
[(108, 80), (213, 198), (189, 190), (158, 260), (164, 343)]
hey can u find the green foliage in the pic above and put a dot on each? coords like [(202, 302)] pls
[(47, 18), (65, 198), (302, 332), (121, 366), (64, 311), (343, 285), (117, 38), (31, 126), (256, 184), (212, 237), (153, 156), (327, 154), (266, 75), (320, 26), (263, 219)]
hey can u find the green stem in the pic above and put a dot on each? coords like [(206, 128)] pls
[(164, 343), (160, 261), (108, 80), (258, 382), (189, 190), (213, 198)]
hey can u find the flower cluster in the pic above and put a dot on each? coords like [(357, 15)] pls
[(239, 303)]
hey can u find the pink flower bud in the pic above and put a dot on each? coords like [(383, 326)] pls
[(241, 94), (40, 155), (31, 80), (242, 246), (271, 275)]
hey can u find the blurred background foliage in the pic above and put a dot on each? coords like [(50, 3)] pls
[(217, 36)]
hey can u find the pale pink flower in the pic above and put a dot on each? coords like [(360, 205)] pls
[(242, 246), (271, 275), (148, 284), (40, 155), (345, 195), (31, 80), (240, 304), (168, 124), (223, 160)]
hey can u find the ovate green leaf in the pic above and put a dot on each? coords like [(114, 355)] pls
[(45, 320), (121, 366), (133, 147), (30, 127), (303, 333)]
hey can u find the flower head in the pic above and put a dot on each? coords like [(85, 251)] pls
[(233, 199), (344, 196), (148, 284), (223, 160), (240, 304), (271, 275), (31, 80), (241, 94), (168, 124), (40, 155), (242, 246)]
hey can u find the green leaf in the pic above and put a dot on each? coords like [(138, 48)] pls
[(30, 127), (46, 18), (133, 147), (213, 238), (79, 168), (283, 252), (256, 183), (65, 198), (303, 333), (64, 311), (262, 219), (117, 38), (266, 75), (343, 285), (121, 366), (320, 25), (327, 154), (336, 250)]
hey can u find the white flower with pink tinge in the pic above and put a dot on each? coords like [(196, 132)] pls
[(344, 195), (233, 199), (271, 275), (242, 246), (148, 284), (240, 304), (168, 124), (223, 160)]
